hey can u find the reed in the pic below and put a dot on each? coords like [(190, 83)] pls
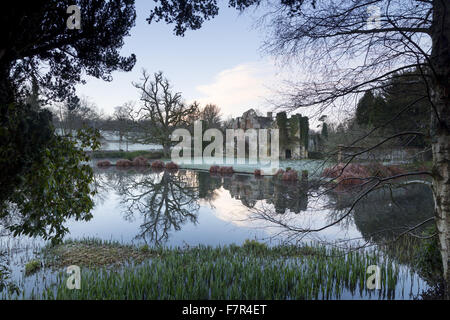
[(250, 271)]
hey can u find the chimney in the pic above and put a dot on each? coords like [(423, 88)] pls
[(269, 115)]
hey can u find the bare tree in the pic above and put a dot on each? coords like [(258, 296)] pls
[(353, 46), (122, 116), (72, 116), (161, 111), (211, 116)]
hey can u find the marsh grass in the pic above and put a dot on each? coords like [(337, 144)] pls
[(94, 253), (250, 271), (32, 267)]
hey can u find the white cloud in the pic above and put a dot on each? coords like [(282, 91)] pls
[(240, 88)]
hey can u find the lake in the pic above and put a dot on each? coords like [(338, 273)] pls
[(188, 208)]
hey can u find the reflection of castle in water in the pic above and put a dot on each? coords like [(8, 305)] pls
[(165, 201), (249, 189)]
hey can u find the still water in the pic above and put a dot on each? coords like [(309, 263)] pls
[(188, 208), (193, 207)]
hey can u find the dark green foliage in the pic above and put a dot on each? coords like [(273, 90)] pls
[(282, 124), (404, 98), (364, 107), (36, 33), (25, 132), (304, 131), (315, 155), (43, 181), (191, 14), (54, 189)]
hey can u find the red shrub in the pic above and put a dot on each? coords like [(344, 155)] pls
[(140, 161), (378, 170), (257, 172), (103, 163), (350, 170), (172, 166), (226, 170), (124, 163), (354, 173), (158, 164), (290, 175), (395, 170), (214, 169)]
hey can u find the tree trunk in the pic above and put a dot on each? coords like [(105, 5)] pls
[(440, 131), (166, 151)]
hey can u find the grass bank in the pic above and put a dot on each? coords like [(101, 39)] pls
[(111, 270), (130, 155)]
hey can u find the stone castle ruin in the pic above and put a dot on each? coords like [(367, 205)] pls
[(294, 131)]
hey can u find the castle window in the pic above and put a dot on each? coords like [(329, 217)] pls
[(288, 153)]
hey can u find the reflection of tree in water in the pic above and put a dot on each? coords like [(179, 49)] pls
[(208, 185), (386, 213), (394, 219), (165, 201), (282, 194)]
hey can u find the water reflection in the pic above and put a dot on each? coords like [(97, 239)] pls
[(163, 202)]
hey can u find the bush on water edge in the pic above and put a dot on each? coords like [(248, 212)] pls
[(250, 271)]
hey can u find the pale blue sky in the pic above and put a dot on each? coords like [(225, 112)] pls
[(220, 63)]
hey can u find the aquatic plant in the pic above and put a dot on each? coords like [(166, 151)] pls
[(32, 267), (251, 271)]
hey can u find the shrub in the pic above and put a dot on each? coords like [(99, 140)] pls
[(172, 166), (124, 163), (290, 175), (226, 170), (140, 161), (396, 170), (257, 172), (104, 163), (158, 164), (214, 169)]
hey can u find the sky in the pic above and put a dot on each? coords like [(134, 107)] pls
[(220, 63)]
